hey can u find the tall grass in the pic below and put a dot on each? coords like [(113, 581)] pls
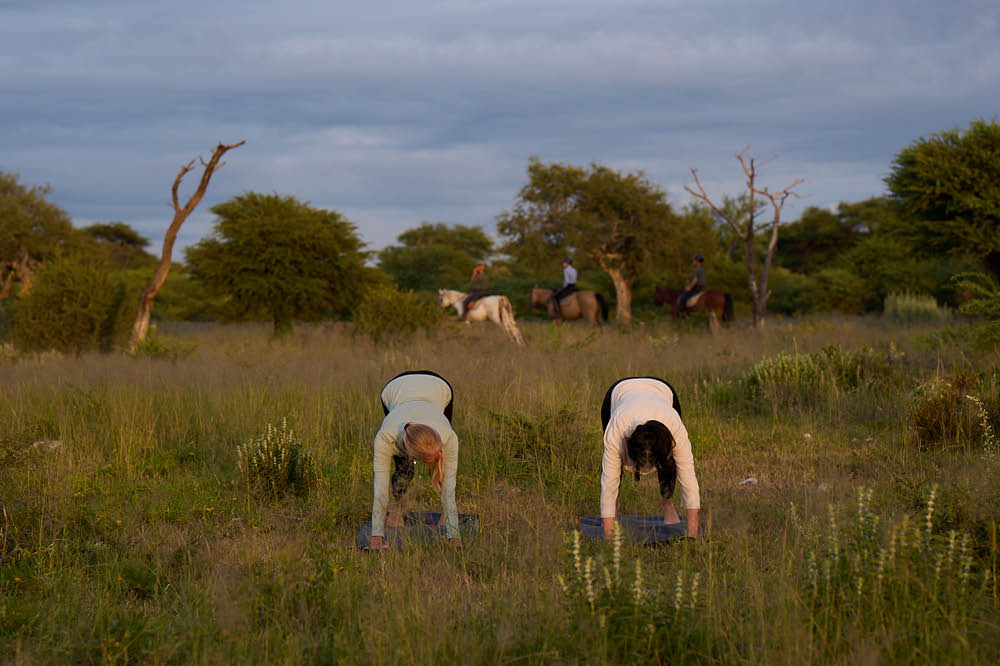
[(908, 309), (135, 539)]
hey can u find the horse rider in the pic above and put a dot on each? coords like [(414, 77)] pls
[(696, 284), (568, 285), (479, 283), (643, 432)]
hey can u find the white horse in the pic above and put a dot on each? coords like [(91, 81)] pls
[(493, 308)]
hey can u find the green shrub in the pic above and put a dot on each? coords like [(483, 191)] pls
[(158, 346), (910, 309), (389, 314), (842, 290), (982, 295), (75, 306), (941, 413), (802, 379), (276, 463)]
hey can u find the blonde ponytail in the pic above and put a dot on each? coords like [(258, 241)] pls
[(424, 444)]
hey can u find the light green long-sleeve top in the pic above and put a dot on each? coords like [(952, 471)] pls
[(414, 399)]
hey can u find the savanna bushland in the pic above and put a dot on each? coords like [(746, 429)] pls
[(129, 534)]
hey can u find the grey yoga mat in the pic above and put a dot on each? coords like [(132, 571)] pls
[(420, 527), (638, 529)]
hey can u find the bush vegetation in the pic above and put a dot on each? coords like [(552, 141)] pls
[(276, 463), (388, 314)]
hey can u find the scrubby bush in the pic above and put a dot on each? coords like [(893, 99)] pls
[(943, 412), (276, 464), (75, 306), (389, 314), (906, 308), (801, 379)]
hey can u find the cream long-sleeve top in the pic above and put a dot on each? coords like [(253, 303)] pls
[(633, 402), (414, 399)]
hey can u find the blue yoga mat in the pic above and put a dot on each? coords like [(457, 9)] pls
[(638, 529), (420, 527)]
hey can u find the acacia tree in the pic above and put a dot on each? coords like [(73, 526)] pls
[(273, 257), (617, 220), (747, 228), (948, 187), (141, 327), (32, 231)]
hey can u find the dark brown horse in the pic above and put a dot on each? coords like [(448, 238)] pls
[(587, 305), (718, 302)]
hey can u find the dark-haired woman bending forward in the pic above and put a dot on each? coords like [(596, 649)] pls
[(643, 432)]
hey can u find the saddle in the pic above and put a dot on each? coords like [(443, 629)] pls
[(472, 302)]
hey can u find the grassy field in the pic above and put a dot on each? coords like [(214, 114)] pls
[(869, 537)]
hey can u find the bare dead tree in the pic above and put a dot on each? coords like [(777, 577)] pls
[(141, 327), (747, 230)]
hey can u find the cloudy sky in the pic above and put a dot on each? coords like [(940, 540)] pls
[(399, 112)]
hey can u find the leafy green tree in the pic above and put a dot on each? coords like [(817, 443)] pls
[(75, 306), (619, 221), (815, 239), (432, 256), (125, 245), (277, 258), (32, 231), (948, 186)]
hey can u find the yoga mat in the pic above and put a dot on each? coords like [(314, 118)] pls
[(420, 527), (638, 529)]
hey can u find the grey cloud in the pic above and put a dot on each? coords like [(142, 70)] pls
[(400, 112)]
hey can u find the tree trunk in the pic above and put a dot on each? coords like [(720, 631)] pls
[(623, 295), (140, 329)]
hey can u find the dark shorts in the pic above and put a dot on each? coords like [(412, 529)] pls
[(448, 409), (606, 405)]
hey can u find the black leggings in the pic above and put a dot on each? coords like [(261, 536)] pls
[(606, 405), (448, 409)]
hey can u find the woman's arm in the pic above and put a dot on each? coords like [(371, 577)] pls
[(449, 507), (382, 467), (686, 479), (611, 474)]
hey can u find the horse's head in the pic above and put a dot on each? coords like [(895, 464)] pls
[(663, 295), (448, 297), (540, 296)]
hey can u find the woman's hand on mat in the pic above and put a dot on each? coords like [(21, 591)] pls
[(377, 544), (608, 525)]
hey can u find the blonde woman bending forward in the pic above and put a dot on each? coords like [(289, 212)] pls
[(643, 432), (417, 428)]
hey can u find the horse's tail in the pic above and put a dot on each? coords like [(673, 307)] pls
[(604, 305), (727, 309), (507, 321)]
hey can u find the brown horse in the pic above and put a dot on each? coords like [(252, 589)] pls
[(718, 302), (587, 305)]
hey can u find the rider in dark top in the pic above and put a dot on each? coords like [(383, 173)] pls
[(696, 284)]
